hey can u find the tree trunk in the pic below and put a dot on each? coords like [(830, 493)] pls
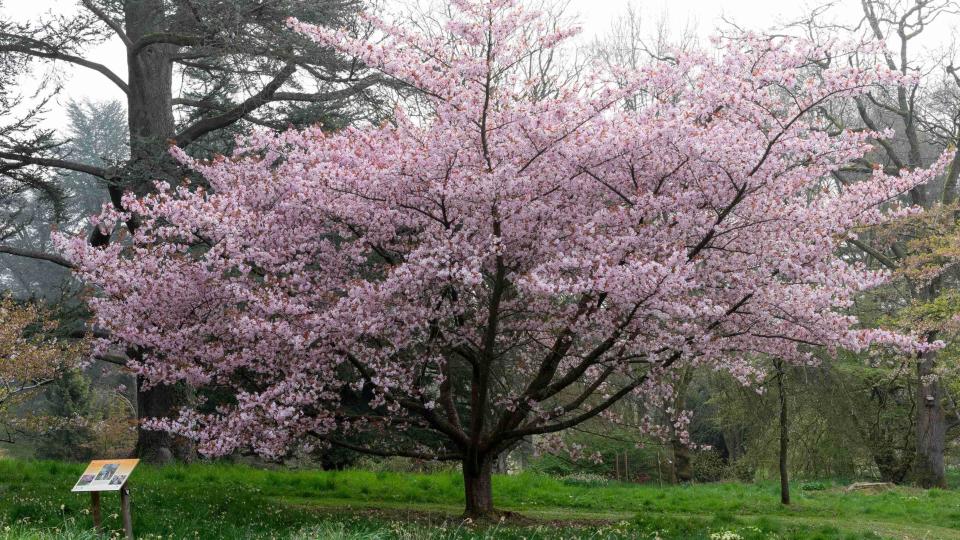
[(478, 483), (524, 453), (682, 468), (784, 437), (159, 446), (150, 99), (928, 468), (151, 122)]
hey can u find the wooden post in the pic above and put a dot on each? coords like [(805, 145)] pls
[(659, 470), (95, 510), (125, 511)]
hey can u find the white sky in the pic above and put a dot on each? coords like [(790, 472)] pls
[(595, 15)]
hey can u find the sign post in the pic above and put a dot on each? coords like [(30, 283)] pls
[(125, 511), (108, 475), (95, 510)]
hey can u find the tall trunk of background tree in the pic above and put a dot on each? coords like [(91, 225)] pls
[(682, 465), (784, 435), (525, 451), (478, 486), (150, 99), (501, 465), (928, 467), (151, 122)]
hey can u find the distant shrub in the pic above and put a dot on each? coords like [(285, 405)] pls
[(742, 470), (585, 479), (402, 465), (708, 466), (622, 456)]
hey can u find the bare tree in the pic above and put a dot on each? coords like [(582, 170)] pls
[(629, 44)]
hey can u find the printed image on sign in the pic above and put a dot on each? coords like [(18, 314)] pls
[(105, 475)]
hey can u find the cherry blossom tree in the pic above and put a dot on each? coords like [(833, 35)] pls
[(491, 266)]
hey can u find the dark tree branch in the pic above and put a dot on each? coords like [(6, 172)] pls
[(106, 174), (39, 255), (880, 257), (389, 453), (168, 38), (110, 358), (55, 55), (114, 25), (336, 95), (23, 389), (202, 127), (441, 425)]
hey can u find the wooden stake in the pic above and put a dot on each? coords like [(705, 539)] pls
[(125, 511), (659, 472), (95, 510)]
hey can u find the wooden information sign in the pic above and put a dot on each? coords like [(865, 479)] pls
[(108, 475)]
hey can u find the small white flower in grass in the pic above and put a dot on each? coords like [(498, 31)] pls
[(725, 535)]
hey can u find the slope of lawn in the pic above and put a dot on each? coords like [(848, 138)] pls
[(234, 501)]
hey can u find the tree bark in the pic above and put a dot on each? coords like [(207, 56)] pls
[(151, 123), (928, 467), (160, 447), (478, 484), (784, 436), (682, 468), (150, 99)]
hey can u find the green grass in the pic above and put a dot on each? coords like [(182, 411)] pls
[(232, 501)]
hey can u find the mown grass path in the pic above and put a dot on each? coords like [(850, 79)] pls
[(557, 515), (232, 501)]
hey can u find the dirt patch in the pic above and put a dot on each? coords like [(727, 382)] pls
[(870, 487)]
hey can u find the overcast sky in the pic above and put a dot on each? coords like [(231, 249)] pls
[(596, 17)]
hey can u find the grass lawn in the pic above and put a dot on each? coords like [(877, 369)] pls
[(232, 501)]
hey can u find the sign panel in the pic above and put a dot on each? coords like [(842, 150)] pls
[(106, 475)]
